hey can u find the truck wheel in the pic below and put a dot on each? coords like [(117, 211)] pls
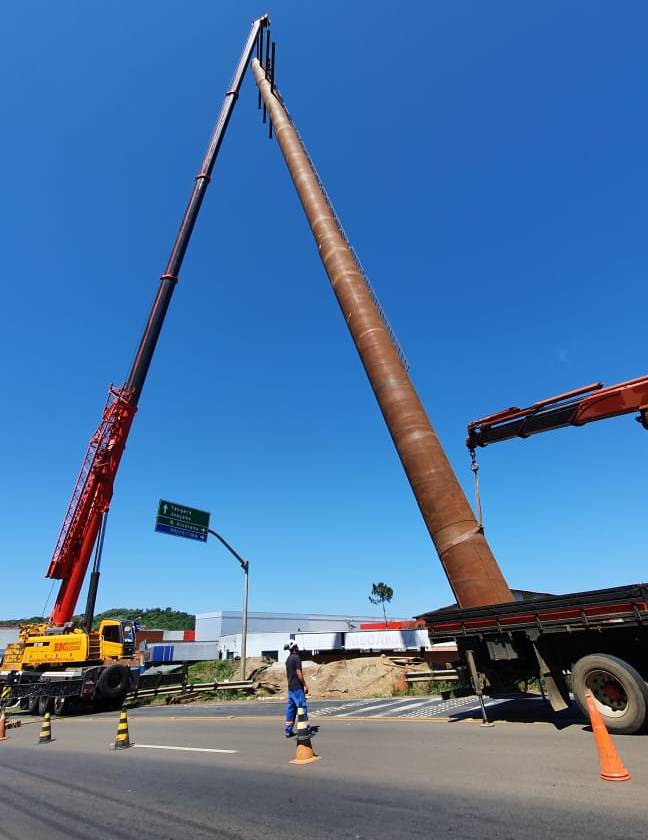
[(32, 704), (113, 682), (44, 705), (60, 706), (619, 691)]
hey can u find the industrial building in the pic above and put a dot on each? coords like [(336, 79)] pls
[(218, 636), (214, 625)]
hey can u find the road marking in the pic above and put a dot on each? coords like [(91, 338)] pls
[(185, 749), (409, 706), (382, 705)]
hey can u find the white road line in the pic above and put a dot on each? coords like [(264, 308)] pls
[(382, 705), (186, 749), (408, 706)]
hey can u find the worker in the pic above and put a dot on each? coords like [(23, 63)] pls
[(297, 688)]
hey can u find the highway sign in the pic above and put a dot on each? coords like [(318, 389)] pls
[(182, 521)]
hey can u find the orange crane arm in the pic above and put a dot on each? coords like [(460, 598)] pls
[(574, 408)]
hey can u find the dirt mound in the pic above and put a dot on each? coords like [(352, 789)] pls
[(362, 676)]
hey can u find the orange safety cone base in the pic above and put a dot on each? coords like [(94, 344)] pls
[(304, 760), (622, 777), (304, 754)]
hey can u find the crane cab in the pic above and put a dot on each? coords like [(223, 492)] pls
[(116, 638)]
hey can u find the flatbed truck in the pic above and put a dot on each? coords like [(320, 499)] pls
[(596, 640)]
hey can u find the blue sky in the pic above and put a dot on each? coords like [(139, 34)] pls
[(489, 164)]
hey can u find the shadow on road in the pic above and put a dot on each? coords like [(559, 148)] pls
[(523, 708)]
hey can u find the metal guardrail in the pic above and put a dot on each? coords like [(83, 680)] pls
[(189, 689), (449, 675)]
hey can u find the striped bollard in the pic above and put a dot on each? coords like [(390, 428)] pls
[(46, 730), (304, 753), (122, 740)]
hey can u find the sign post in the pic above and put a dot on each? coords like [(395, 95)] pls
[(193, 524), (182, 521)]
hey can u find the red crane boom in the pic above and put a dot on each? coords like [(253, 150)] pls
[(86, 513)]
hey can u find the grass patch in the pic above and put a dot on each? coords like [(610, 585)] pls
[(216, 670)]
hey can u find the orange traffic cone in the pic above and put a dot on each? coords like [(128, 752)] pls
[(612, 769), (304, 753), (3, 727), (122, 741)]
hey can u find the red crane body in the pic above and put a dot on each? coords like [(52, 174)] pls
[(86, 513), (574, 408)]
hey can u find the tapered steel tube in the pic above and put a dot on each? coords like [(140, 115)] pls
[(472, 570)]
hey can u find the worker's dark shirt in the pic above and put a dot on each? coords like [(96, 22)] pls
[(293, 664)]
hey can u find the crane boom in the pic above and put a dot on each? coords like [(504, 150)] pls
[(574, 408), (94, 486)]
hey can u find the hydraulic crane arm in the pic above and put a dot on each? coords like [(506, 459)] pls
[(574, 408), (94, 487)]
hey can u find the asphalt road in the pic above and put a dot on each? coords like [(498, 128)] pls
[(511, 707), (377, 778)]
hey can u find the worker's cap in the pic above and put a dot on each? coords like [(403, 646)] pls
[(291, 645)]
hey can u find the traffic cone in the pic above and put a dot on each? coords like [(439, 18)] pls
[(612, 769), (3, 727), (304, 753), (122, 741), (46, 730)]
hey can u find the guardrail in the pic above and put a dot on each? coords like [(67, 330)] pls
[(449, 675), (188, 689)]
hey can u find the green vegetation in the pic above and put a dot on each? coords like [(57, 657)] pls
[(155, 618), (216, 670), (381, 594)]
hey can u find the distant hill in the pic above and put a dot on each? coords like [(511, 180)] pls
[(154, 618)]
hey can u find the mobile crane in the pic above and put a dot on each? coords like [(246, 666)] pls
[(55, 663)]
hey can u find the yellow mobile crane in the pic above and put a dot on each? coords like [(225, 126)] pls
[(55, 663)]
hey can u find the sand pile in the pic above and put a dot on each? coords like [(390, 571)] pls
[(363, 676)]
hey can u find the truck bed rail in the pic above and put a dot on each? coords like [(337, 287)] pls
[(622, 605)]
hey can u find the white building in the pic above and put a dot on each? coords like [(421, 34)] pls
[(214, 625)]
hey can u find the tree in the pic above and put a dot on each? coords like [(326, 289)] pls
[(381, 594)]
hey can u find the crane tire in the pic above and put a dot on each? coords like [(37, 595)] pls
[(32, 704), (620, 692), (61, 706), (113, 682), (44, 705)]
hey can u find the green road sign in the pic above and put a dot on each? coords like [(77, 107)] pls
[(182, 521)]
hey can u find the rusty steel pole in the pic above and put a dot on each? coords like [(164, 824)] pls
[(469, 564)]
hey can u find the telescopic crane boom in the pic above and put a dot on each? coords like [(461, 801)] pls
[(85, 518), (574, 408)]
